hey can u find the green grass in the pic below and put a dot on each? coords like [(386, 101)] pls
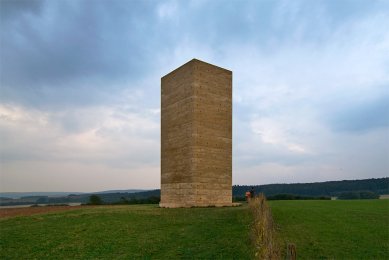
[(127, 232), (320, 230), (334, 229)]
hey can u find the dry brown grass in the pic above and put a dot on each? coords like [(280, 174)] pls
[(263, 231), (27, 211)]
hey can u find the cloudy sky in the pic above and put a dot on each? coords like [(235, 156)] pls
[(80, 88)]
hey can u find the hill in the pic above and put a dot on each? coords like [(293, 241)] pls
[(330, 188), (18, 195)]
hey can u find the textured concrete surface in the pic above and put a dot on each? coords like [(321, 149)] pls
[(196, 136)]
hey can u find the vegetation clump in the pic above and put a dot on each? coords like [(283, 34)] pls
[(358, 195), (95, 200), (263, 231)]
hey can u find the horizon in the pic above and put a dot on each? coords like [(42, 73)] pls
[(80, 88), (141, 190)]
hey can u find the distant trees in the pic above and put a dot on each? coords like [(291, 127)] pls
[(330, 188), (296, 197), (95, 200), (42, 200), (350, 189), (135, 200), (357, 195)]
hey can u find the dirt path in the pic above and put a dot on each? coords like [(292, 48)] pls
[(13, 212)]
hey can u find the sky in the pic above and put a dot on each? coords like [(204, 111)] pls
[(80, 88)]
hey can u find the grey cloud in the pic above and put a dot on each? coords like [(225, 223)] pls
[(66, 59), (12, 8), (80, 52), (268, 24), (90, 136), (74, 44), (361, 117)]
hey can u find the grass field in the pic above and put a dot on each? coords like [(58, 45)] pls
[(320, 230), (341, 229), (127, 232)]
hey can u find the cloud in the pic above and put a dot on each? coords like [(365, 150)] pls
[(273, 132), (107, 136), (167, 10), (363, 116), (296, 107), (74, 47), (80, 86), (74, 176), (11, 8), (83, 149)]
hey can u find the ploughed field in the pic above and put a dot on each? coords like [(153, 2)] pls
[(319, 229)]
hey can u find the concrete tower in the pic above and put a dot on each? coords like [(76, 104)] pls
[(196, 136)]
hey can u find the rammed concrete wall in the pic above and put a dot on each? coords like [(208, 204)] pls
[(196, 136)]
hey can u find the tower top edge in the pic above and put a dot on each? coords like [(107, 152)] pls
[(193, 61)]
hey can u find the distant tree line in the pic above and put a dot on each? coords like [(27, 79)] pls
[(296, 197), (97, 200), (341, 189), (357, 195), (149, 200), (330, 188)]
